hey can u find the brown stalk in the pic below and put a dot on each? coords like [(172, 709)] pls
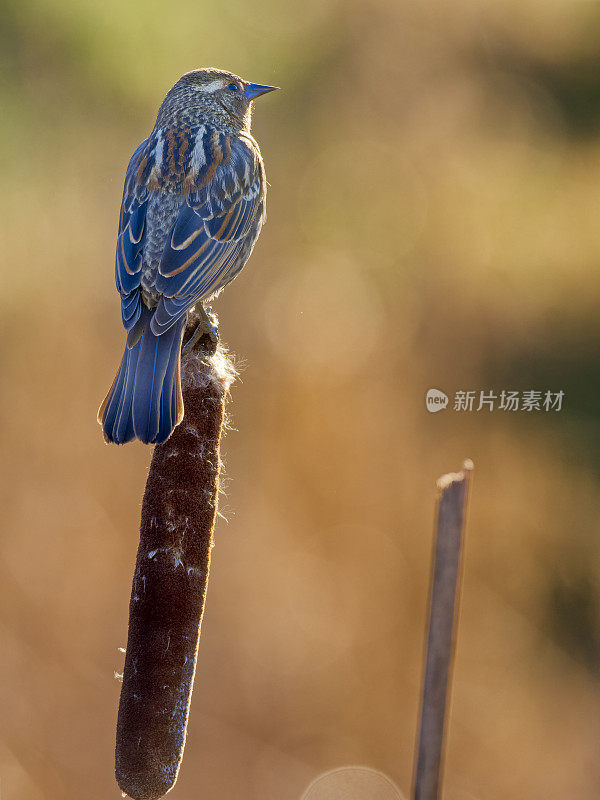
[(444, 597), (169, 582)]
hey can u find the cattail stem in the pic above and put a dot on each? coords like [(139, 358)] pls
[(169, 583), (444, 596)]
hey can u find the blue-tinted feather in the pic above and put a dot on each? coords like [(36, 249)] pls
[(143, 401), (215, 228), (130, 239), (117, 418), (156, 383)]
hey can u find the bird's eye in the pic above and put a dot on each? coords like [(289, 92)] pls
[(234, 87)]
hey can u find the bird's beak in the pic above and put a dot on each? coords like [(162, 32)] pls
[(254, 90)]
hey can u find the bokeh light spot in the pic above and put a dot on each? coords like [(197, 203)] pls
[(353, 783)]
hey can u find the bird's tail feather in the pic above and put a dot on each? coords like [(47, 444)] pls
[(145, 400)]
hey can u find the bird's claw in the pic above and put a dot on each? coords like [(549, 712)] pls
[(206, 328)]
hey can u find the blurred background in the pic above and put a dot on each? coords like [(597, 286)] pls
[(433, 222)]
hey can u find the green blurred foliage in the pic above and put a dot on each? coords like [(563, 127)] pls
[(435, 189)]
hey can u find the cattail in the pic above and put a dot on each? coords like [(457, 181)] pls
[(169, 583)]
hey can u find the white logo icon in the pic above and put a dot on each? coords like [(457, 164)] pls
[(435, 400)]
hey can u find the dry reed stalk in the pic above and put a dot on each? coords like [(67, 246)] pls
[(444, 598)]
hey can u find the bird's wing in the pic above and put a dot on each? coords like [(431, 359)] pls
[(130, 238), (216, 227)]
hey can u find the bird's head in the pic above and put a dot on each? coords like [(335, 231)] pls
[(210, 94)]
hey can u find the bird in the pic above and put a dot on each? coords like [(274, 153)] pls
[(194, 203)]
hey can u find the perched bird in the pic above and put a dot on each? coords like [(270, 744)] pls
[(193, 207)]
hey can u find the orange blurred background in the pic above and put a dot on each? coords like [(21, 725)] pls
[(433, 222)]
